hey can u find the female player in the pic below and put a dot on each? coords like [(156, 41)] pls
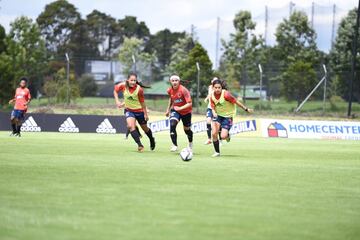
[(179, 108), (209, 112), (21, 99), (223, 106), (135, 108)]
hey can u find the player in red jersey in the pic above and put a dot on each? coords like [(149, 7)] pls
[(135, 108), (179, 108), (21, 99)]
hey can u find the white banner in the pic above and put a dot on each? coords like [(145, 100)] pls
[(310, 129)]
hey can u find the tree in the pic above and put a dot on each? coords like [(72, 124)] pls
[(243, 52), (27, 52), (298, 81), (297, 51), (179, 53), (188, 71), (161, 44), (57, 22), (341, 54), (133, 47), (105, 32), (130, 27), (296, 40), (2, 38), (82, 47), (57, 88)]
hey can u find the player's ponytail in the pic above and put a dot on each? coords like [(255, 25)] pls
[(137, 81)]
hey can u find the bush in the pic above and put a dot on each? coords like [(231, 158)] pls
[(334, 102), (88, 87)]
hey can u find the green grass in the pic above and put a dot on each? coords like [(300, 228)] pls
[(88, 186)]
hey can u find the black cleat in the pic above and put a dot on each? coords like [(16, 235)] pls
[(152, 144)]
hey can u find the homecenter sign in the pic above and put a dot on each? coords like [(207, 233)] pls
[(310, 129)]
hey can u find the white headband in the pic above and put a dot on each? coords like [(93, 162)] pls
[(175, 77)]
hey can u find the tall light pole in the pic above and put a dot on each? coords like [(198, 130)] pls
[(325, 85), (67, 78), (261, 82), (198, 87), (353, 60)]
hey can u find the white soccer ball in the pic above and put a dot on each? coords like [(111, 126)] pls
[(186, 154)]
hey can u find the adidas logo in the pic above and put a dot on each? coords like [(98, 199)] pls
[(68, 126), (30, 126), (105, 127)]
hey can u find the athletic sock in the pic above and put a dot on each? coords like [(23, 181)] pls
[(216, 146), (189, 134), (136, 137), (137, 129), (152, 139), (13, 125), (208, 130), (173, 133), (18, 128)]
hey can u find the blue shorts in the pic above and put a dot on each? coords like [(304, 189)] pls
[(209, 113), (186, 119), (225, 122), (139, 116), (18, 114)]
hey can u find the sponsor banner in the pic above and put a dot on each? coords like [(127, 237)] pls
[(67, 123), (198, 127), (310, 129), (244, 126)]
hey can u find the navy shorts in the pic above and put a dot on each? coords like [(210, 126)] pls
[(225, 122), (18, 114), (139, 116), (186, 119), (209, 113)]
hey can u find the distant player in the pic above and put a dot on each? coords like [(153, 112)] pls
[(179, 108), (21, 99), (223, 106), (209, 115), (135, 109)]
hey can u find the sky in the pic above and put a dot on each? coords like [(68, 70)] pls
[(179, 15)]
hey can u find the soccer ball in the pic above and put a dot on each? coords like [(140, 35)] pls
[(186, 154)]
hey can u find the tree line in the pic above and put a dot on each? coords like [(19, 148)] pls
[(292, 67)]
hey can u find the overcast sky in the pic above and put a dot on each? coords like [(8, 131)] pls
[(178, 15)]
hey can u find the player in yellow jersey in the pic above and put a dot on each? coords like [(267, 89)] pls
[(135, 109), (223, 106)]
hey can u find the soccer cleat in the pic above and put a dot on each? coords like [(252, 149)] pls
[(140, 148), (152, 144), (17, 135), (173, 148), (12, 134), (216, 154), (228, 138), (208, 142)]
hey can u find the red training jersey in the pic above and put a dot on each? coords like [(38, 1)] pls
[(227, 95), (121, 88), (179, 98), (22, 96)]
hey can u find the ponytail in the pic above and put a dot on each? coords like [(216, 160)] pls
[(137, 81)]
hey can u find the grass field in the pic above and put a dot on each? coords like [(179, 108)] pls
[(88, 186)]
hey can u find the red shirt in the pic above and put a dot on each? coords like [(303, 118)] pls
[(22, 96), (179, 98), (121, 88), (227, 95)]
